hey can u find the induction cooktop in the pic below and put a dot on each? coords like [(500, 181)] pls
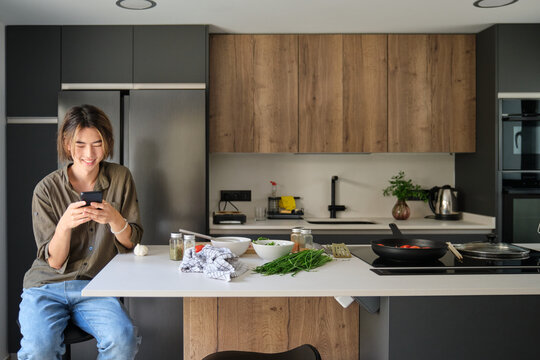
[(448, 264)]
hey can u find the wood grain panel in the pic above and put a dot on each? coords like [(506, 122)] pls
[(463, 131), (320, 93), (231, 89), (365, 115), (253, 324), (409, 100), (276, 93), (200, 331), (324, 323)]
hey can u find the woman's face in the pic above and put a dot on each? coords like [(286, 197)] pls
[(87, 150)]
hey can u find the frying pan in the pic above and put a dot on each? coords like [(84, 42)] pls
[(390, 248)]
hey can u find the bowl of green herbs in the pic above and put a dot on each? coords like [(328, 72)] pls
[(272, 249)]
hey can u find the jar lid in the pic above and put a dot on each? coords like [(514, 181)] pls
[(189, 237), (296, 229), (306, 231), (176, 235)]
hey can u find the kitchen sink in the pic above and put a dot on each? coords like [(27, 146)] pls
[(340, 221)]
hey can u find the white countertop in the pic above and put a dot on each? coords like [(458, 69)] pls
[(155, 275), (469, 224)]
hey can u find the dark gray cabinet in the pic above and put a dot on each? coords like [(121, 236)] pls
[(518, 54), (170, 54), (32, 70), (31, 155), (97, 54)]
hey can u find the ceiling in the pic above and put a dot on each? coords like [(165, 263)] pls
[(279, 16)]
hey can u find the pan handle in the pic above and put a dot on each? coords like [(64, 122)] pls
[(395, 231)]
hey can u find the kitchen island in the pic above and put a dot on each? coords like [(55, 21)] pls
[(435, 296)]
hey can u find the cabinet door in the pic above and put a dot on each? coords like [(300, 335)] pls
[(365, 93), (97, 54), (231, 93), (518, 54), (170, 54), (431, 93), (30, 155), (320, 93), (276, 93), (32, 70)]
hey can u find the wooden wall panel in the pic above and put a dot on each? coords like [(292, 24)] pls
[(276, 93), (200, 330), (231, 93), (365, 93), (320, 93)]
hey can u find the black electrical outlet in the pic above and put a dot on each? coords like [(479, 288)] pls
[(235, 195)]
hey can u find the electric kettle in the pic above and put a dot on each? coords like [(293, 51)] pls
[(443, 202)]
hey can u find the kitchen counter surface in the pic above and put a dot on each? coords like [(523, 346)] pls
[(155, 275), (469, 224)]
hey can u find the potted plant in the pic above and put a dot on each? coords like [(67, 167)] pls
[(403, 189)]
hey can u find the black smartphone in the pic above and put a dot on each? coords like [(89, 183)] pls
[(92, 196)]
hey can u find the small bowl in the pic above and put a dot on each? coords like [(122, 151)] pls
[(272, 252), (237, 245)]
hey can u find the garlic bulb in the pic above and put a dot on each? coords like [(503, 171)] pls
[(140, 250)]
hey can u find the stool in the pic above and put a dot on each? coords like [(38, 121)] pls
[(303, 352), (72, 335)]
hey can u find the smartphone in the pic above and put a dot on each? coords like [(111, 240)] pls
[(91, 196)]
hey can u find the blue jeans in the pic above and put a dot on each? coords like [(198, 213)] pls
[(45, 311)]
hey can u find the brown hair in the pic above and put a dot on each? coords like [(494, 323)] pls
[(81, 117)]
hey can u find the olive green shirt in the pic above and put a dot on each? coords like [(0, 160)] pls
[(92, 244)]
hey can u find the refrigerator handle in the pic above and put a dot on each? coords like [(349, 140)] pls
[(125, 131)]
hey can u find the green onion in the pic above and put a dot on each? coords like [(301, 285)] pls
[(294, 263)]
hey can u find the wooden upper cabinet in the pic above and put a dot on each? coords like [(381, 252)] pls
[(231, 92), (276, 93), (254, 93), (431, 93), (321, 93), (365, 93)]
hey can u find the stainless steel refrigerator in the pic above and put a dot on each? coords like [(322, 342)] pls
[(160, 135)]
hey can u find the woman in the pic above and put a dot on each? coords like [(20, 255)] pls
[(74, 242)]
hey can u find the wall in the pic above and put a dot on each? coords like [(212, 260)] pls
[(3, 241), (361, 179)]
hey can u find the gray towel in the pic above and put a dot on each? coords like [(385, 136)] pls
[(215, 263)]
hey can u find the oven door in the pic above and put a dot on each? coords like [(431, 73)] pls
[(521, 215), (521, 144)]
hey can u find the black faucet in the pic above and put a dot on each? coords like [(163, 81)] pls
[(333, 207)]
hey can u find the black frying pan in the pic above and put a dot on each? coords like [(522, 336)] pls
[(390, 248)]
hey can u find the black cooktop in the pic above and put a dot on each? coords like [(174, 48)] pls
[(448, 264)]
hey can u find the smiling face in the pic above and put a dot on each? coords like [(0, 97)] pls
[(86, 150)]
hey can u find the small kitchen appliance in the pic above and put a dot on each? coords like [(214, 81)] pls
[(228, 217), (443, 202)]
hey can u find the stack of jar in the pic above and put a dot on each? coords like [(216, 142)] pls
[(301, 238)]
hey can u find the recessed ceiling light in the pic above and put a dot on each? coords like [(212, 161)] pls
[(493, 3), (136, 4)]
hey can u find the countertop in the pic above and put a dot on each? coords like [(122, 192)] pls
[(469, 224), (155, 275)]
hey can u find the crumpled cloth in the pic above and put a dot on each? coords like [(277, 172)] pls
[(213, 262)]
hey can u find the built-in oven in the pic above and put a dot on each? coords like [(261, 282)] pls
[(521, 207), (520, 134)]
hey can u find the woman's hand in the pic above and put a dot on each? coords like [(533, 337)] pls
[(105, 213), (73, 216)]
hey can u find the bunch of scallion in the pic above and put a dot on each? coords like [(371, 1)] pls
[(294, 263)]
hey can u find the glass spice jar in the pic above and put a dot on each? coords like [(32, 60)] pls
[(189, 242), (176, 247), (296, 238), (307, 239)]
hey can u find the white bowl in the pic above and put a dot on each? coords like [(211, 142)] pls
[(271, 252), (237, 245)]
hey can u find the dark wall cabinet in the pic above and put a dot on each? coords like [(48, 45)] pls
[(31, 154), (518, 54), (134, 54), (32, 70), (97, 54), (170, 54)]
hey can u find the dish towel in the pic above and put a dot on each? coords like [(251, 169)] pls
[(213, 262)]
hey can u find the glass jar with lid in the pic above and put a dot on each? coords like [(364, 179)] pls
[(189, 242), (176, 247), (307, 239), (296, 238)]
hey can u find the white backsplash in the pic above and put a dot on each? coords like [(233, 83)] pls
[(361, 180)]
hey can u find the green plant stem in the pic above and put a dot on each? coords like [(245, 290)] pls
[(305, 260)]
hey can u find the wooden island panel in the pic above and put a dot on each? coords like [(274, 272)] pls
[(270, 325)]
